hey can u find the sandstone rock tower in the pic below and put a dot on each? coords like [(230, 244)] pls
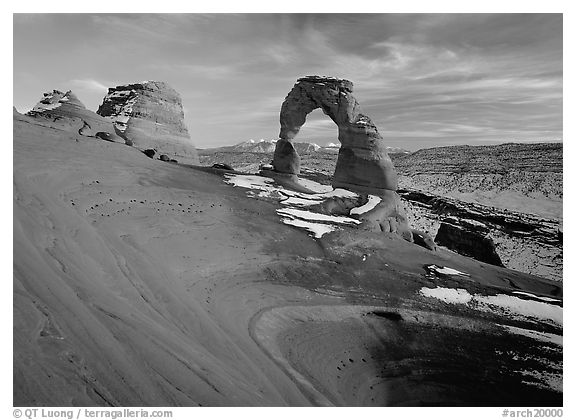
[(150, 115), (363, 164)]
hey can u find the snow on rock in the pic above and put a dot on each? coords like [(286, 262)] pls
[(447, 295), (502, 304), (536, 335), (527, 308), (373, 201), (251, 181), (298, 201), (292, 212), (310, 215), (317, 229), (50, 101), (530, 295), (446, 271)]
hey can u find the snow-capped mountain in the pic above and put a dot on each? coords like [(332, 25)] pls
[(335, 147), (266, 146)]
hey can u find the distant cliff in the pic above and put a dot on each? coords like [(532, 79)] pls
[(517, 177)]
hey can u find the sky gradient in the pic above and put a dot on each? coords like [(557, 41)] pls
[(425, 79)]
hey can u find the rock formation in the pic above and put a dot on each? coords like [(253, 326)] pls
[(150, 114), (423, 239), (363, 165), (520, 241), (66, 111), (468, 238)]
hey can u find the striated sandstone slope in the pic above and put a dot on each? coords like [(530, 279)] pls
[(142, 283), (150, 114)]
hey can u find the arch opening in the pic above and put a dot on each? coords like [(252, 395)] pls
[(319, 129)]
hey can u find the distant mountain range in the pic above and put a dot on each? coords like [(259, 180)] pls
[(268, 146)]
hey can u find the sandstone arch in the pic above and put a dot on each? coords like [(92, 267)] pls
[(363, 164)]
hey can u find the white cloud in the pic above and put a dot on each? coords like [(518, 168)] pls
[(89, 84)]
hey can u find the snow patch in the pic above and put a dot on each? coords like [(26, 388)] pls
[(50, 101), (46, 107), (309, 215), (536, 335), (446, 271), (501, 304), (294, 203), (373, 201), (447, 295), (527, 308), (297, 201), (547, 299), (317, 229), (251, 182)]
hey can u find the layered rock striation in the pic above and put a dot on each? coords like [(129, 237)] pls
[(65, 110), (151, 116), (517, 177)]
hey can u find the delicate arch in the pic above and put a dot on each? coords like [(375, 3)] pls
[(363, 163)]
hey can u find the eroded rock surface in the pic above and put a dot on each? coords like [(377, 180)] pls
[(65, 110), (519, 241), (363, 164), (150, 114)]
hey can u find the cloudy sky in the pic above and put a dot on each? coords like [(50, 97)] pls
[(425, 79)]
